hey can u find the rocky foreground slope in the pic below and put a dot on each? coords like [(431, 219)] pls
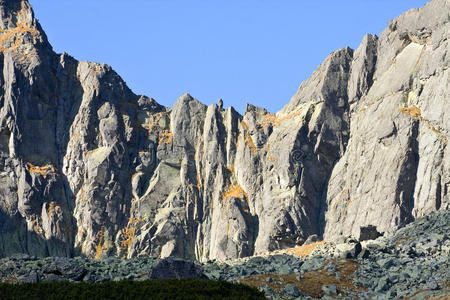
[(89, 168), (412, 263)]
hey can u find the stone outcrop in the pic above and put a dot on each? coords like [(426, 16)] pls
[(396, 166), (412, 263), (89, 168)]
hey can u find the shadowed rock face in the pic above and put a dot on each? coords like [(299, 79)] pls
[(88, 167)]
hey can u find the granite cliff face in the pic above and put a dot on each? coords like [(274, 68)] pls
[(90, 168)]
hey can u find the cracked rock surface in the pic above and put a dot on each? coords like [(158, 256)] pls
[(88, 168)]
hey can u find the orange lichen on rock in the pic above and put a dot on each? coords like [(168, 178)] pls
[(269, 119), (53, 209), (273, 120), (97, 69), (437, 131), (250, 143), (166, 137), (231, 169), (44, 170), (152, 125), (36, 225), (83, 194), (100, 246), (350, 201), (199, 179), (304, 250), (244, 125), (128, 232), (247, 138), (128, 236), (11, 39), (412, 111), (235, 191), (343, 194)]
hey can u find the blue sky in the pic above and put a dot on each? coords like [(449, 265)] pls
[(256, 51)]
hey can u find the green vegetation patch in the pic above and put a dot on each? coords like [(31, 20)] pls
[(148, 289)]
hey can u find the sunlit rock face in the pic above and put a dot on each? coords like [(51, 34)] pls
[(89, 168)]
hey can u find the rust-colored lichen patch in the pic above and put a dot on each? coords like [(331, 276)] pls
[(97, 69), (412, 111), (154, 128), (231, 169), (235, 191), (154, 123), (250, 143), (128, 233), (342, 195), (81, 231), (247, 138), (199, 181), (16, 34), (415, 112), (401, 240), (165, 137), (244, 125), (53, 209), (36, 225), (100, 244), (43, 170), (128, 236), (273, 120)]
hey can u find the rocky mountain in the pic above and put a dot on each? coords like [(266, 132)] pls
[(410, 263), (89, 168)]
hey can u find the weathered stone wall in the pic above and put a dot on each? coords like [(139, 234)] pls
[(88, 167)]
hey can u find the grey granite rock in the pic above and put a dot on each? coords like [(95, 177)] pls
[(368, 232), (291, 290), (329, 290), (89, 168), (176, 268), (397, 128), (386, 275)]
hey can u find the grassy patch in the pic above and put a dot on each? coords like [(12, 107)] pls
[(149, 289), (304, 250), (311, 282)]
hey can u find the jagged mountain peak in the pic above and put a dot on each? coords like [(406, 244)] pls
[(326, 83), (19, 28)]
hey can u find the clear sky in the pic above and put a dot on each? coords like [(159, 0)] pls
[(256, 51)]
